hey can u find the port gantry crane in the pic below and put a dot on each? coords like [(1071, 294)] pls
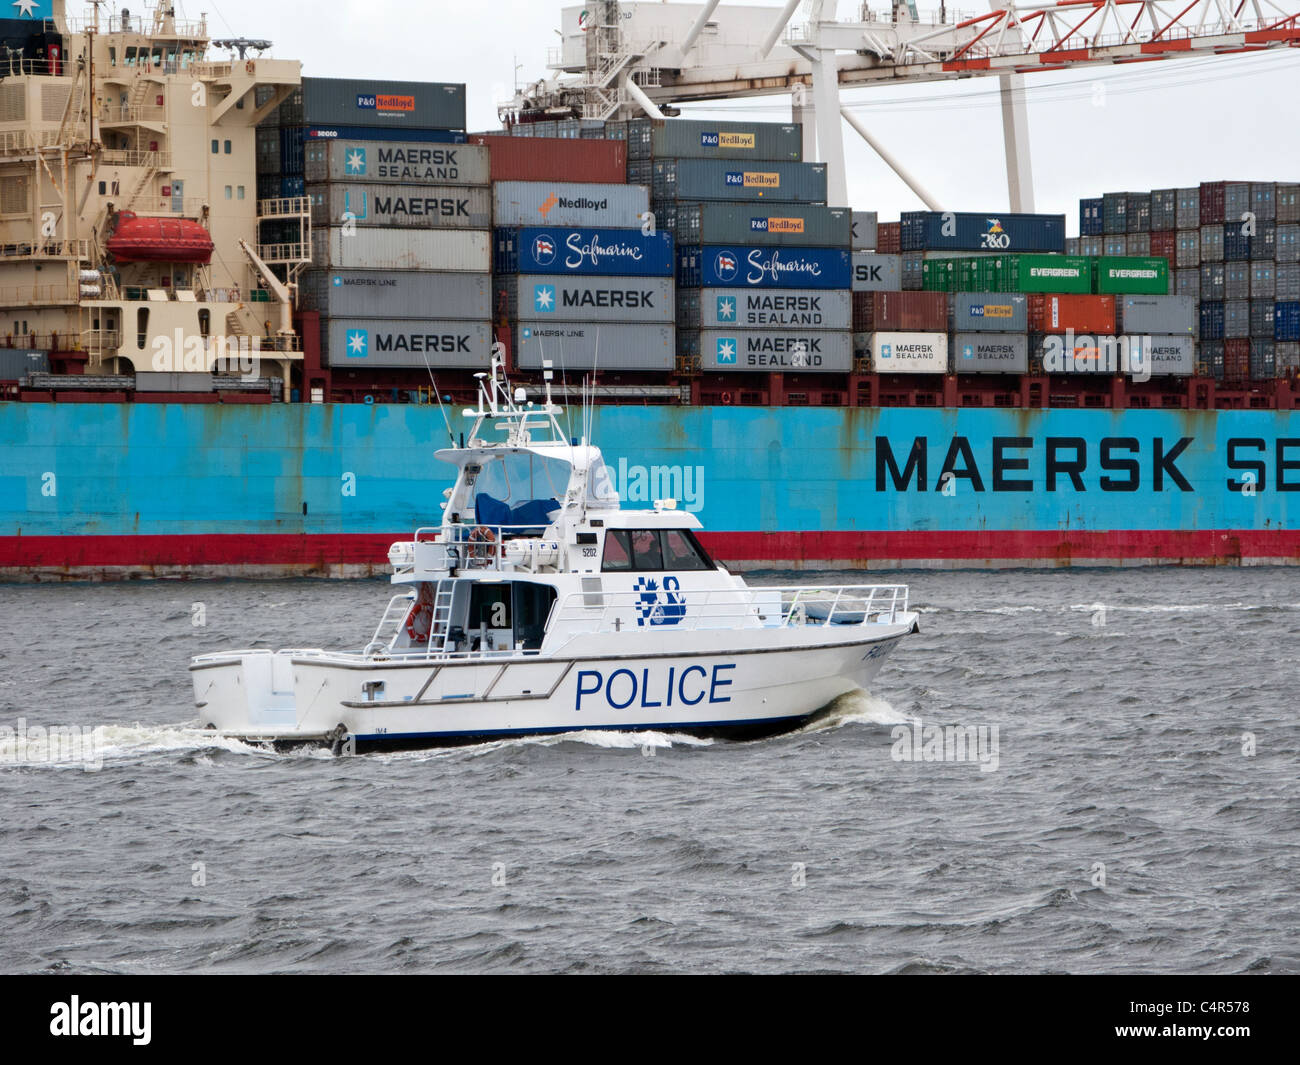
[(623, 59)]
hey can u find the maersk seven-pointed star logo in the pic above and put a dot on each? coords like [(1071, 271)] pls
[(544, 298), (357, 343), (726, 351), (726, 308), (30, 9), (356, 162)]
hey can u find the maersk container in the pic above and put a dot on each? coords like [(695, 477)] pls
[(717, 266), (1164, 209), (900, 311), (397, 294), (1049, 273), (401, 206), (990, 312), (402, 249), (1117, 276), (994, 232), (1090, 218), (1158, 356), (1236, 319), (990, 353), (1262, 318), (788, 309), (1188, 212), (683, 138), (787, 225), (554, 159), (583, 251), (1263, 281), (866, 231), (380, 102), (1082, 314), (1286, 321), (1156, 315), (1212, 319), (348, 343), (721, 179), (876, 272), (395, 162), (585, 346), (925, 353), (545, 297), (552, 203), (776, 350)]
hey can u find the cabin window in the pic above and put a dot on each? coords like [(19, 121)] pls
[(647, 552), (112, 56), (227, 147), (653, 549), (216, 146), (682, 552), (228, 192), (141, 327), (239, 193), (103, 188), (618, 551)]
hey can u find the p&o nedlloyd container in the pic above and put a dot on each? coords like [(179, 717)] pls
[(722, 179), (351, 342), (683, 138), (558, 203), (395, 162), (773, 350), (594, 346), (991, 312), (546, 297), (730, 308), (397, 294), (352, 102), (401, 206), (782, 224), (402, 249)]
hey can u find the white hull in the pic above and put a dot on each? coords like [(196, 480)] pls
[(777, 680)]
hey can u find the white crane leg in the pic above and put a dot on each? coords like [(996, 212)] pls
[(830, 134), (892, 162), (1015, 135)]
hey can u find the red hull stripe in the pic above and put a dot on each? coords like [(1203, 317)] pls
[(316, 551)]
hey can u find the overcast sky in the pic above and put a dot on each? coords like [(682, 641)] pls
[(1136, 127)]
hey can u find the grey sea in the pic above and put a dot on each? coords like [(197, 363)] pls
[(1127, 802)]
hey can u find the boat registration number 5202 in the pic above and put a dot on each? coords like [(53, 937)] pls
[(648, 688)]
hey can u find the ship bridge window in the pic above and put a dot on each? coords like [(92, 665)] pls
[(653, 549), (519, 489)]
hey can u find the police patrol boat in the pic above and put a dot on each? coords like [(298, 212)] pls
[(539, 605)]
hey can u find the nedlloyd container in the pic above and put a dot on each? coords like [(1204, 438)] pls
[(776, 350), (402, 249), (584, 251), (398, 206), (990, 353), (1159, 315), (545, 297), (876, 272), (1117, 276), (350, 102), (786, 225), (987, 312), (721, 266), (555, 203), (682, 138), (866, 230), (395, 162), (993, 232), (397, 294), (925, 353), (352, 342), (594, 346), (1158, 356), (730, 308), (719, 179)]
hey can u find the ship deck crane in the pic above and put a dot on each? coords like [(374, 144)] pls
[(283, 292)]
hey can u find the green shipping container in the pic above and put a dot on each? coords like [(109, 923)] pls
[(1126, 275), (939, 275), (1051, 273)]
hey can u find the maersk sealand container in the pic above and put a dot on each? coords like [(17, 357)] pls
[(994, 231)]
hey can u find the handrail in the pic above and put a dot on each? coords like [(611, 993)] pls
[(485, 546)]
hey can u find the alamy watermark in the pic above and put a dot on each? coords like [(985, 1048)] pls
[(946, 743), (73, 745), (1083, 353), (182, 353)]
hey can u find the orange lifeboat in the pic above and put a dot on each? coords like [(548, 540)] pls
[(159, 240)]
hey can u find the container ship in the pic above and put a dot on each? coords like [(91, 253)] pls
[(242, 308)]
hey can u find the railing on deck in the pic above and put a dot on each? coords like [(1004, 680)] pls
[(494, 547)]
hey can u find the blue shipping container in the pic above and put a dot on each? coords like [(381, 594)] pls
[(1090, 218), (1286, 321), (385, 133), (1211, 319), (293, 186), (291, 154), (595, 252), (714, 266), (1236, 245), (994, 231)]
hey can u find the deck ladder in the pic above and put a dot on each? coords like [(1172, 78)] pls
[(441, 616)]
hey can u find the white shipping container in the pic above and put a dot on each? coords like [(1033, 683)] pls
[(909, 352), (558, 203), (398, 294), (1158, 356), (587, 346), (469, 250), (865, 230)]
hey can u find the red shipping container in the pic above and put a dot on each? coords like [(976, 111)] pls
[(555, 159), (1236, 360), (1213, 202), (1165, 245), (889, 238), (1093, 315), (890, 312)]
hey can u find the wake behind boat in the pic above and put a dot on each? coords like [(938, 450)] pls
[(540, 606)]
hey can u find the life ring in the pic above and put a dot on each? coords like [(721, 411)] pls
[(726, 399), (250, 66), (483, 542), (419, 620)]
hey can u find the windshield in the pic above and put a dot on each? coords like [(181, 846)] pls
[(600, 486)]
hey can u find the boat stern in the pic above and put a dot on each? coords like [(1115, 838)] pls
[(252, 694)]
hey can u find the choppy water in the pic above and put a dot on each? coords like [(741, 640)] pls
[(1122, 701)]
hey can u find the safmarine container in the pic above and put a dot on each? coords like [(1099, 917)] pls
[(554, 159), (898, 311), (1158, 315), (776, 350), (995, 232), (545, 297), (401, 206), (797, 309), (719, 266), (721, 179), (395, 162), (798, 225), (683, 138), (1049, 273), (990, 312), (592, 345), (866, 230), (584, 251), (1158, 356), (1119, 275), (352, 342), (924, 353), (876, 272), (397, 294), (402, 249), (353, 102), (553, 203), (1082, 314), (990, 353)]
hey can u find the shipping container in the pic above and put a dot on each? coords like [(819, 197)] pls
[(585, 346), (437, 343), (1213, 281), (1263, 282), (900, 312), (1156, 315), (583, 251), (353, 102), (18, 363), (1263, 245), (904, 352), (1158, 356), (1187, 249), (1212, 203), (291, 151), (1287, 276), (1090, 218), (788, 225), (989, 312), (1286, 243), (1286, 321), (1288, 203), (397, 294), (1212, 319), (1236, 360), (1114, 213), (1236, 243), (1261, 318), (1048, 273), (990, 353), (865, 226), (1212, 243), (1187, 283), (776, 350), (553, 203), (938, 275), (405, 134), (1189, 209), (1209, 358), (1236, 319), (889, 235), (1118, 276), (401, 206), (1163, 244), (544, 297), (149, 381), (682, 138), (395, 162), (402, 249), (1263, 359), (1116, 246), (555, 159), (720, 179), (1236, 201), (876, 272), (1082, 314), (713, 266), (1263, 200), (1164, 210), (1137, 218), (913, 270), (1236, 281), (1001, 232), (729, 308), (1085, 353), (1287, 358)]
